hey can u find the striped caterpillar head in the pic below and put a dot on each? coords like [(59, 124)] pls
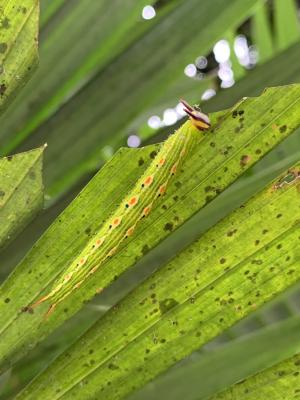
[(198, 119)]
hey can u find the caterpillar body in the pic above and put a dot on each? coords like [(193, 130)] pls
[(136, 206)]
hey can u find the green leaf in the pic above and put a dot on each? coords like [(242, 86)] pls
[(238, 140), (286, 23), (49, 8), (18, 45), (261, 32), (281, 382), (21, 192), (230, 271), (187, 29), (213, 371)]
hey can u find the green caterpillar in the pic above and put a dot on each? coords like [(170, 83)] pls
[(136, 206)]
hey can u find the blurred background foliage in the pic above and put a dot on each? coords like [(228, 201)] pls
[(108, 76)]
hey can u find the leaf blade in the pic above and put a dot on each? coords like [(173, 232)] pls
[(280, 381), (231, 363), (18, 46), (21, 192), (174, 311)]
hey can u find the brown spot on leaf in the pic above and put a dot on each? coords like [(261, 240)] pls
[(2, 89), (168, 227), (3, 48), (145, 249), (283, 128), (244, 160), (5, 24)]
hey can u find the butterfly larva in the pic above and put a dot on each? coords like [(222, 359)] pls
[(136, 205)]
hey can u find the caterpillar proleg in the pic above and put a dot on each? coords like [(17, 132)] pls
[(135, 206)]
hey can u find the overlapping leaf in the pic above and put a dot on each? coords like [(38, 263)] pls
[(21, 192), (18, 45), (208, 373), (280, 382)]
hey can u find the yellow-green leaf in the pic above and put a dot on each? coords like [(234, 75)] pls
[(21, 192), (280, 382), (233, 269), (18, 45)]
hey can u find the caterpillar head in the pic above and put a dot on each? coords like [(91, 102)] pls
[(198, 118)]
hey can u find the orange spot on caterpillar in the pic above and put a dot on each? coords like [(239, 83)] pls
[(174, 169), (67, 277), (148, 181), (116, 222), (146, 211), (162, 190), (130, 231), (161, 162), (99, 242), (133, 201), (83, 260), (78, 284)]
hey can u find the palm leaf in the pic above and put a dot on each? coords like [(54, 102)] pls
[(280, 381), (230, 271), (18, 46), (196, 379), (21, 192)]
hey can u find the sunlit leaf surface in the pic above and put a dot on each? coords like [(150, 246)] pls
[(21, 192), (240, 138), (228, 273), (210, 372), (280, 382), (18, 45)]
